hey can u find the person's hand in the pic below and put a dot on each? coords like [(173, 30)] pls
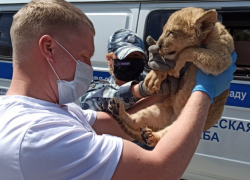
[(169, 85), (156, 61), (215, 85)]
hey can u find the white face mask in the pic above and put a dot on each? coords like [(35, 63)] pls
[(72, 90)]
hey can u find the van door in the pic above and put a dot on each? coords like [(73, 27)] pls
[(106, 17), (6, 18), (224, 150)]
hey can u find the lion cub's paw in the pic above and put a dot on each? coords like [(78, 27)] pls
[(174, 73), (150, 80), (171, 72), (116, 107), (153, 80), (148, 136)]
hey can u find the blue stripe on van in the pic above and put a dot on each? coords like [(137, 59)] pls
[(239, 95), (100, 75), (6, 70)]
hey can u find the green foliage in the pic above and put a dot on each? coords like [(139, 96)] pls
[(241, 34)]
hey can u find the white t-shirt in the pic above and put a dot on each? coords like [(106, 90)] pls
[(40, 140)]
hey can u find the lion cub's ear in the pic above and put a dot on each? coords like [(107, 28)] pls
[(205, 22)]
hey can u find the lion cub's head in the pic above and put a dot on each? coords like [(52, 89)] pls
[(185, 28)]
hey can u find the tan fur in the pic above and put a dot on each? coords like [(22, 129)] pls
[(192, 28)]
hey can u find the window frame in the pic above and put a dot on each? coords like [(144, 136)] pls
[(220, 10), (5, 58)]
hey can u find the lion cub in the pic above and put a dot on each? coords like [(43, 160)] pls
[(194, 35)]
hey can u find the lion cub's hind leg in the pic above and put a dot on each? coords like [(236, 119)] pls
[(152, 138), (136, 120), (118, 112), (161, 117)]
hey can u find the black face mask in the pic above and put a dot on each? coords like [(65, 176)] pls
[(128, 69)]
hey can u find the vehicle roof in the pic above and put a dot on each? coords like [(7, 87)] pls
[(116, 1)]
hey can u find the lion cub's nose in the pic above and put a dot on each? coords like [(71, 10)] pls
[(154, 49)]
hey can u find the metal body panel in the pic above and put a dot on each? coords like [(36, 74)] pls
[(111, 1), (146, 8), (107, 18), (224, 150)]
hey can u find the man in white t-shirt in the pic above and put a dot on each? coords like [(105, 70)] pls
[(43, 135)]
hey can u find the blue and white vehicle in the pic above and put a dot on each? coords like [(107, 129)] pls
[(224, 150)]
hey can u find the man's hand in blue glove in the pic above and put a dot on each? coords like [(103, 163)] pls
[(215, 85)]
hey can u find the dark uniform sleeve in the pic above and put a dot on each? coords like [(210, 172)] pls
[(100, 92)]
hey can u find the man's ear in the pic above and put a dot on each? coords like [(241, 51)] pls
[(108, 59), (46, 46), (205, 23)]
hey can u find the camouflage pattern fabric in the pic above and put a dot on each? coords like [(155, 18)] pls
[(123, 42), (101, 91)]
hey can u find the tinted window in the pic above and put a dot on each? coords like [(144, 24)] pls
[(237, 23), (155, 23), (154, 27), (5, 40)]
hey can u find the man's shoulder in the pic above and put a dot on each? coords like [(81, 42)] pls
[(40, 132), (29, 109)]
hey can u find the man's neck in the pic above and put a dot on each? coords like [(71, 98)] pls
[(24, 85)]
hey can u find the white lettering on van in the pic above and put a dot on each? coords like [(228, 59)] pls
[(231, 94), (243, 95), (238, 95)]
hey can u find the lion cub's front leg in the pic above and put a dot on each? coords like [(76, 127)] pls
[(153, 80), (180, 63), (207, 60)]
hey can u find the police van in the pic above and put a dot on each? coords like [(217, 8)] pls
[(224, 150)]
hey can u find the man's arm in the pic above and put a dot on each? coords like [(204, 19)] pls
[(97, 98), (100, 92), (106, 124), (173, 152)]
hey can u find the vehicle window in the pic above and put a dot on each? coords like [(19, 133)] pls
[(237, 23), (5, 40), (154, 27)]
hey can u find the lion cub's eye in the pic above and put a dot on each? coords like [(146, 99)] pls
[(171, 32)]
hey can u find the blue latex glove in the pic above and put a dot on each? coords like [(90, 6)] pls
[(215, 85)]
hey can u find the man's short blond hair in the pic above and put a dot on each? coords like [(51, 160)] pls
[(40, 17)]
